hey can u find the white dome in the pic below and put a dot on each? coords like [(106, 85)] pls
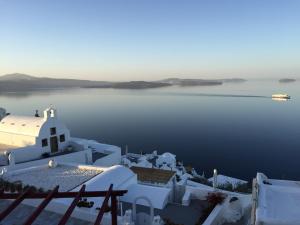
[(116, 175), (166, 160), (168, 155)]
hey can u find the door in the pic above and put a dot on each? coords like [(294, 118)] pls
[(54, 144)]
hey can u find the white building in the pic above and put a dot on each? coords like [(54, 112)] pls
[(47, 132), (95, 178), (30, 139), (166, 161), (275, 202)]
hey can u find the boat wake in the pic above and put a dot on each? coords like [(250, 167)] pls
[(214, 95)]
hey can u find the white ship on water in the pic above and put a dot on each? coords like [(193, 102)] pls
[(281, 96), (39, 152)]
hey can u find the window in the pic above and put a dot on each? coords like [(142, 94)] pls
[(62, 138), (44, 142), (53, 131)]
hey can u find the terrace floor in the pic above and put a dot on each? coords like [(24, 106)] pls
[(67, 177), (179, 214), (21, 213)]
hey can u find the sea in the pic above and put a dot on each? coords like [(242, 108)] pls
[(236, 128)]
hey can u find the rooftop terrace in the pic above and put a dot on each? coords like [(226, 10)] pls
[(178, 214), (151, 175), (45, 218), (67, 177)]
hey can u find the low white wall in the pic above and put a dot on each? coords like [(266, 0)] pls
[(76, 157), (216, 216), (229, 211), (195, 190), (113, 154), (114, 158), (220, 213), (77, 145), (26, 154)]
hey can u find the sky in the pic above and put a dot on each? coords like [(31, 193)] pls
[(150, 39)]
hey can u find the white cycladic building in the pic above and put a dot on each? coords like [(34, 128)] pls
[(166, 161), (28, 139), (275, 202), (46, 133)]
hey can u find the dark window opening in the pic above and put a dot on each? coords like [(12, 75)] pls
[(62, 138), (44, 142), (53, 131)]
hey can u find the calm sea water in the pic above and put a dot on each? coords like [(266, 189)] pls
[(236, 128)]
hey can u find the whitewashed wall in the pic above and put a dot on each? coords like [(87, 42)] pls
[(16, 139), (216, 216), (26, 154), (76, 157), (45, 133), (114, 158)]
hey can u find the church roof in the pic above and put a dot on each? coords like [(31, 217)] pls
[(22, 125)]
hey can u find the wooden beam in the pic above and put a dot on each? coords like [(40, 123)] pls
[(64, 194), (40, 208), (104, 205), (114, 210), (68, 213)]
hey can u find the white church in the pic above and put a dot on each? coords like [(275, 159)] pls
[(46, 132), (28, 138)]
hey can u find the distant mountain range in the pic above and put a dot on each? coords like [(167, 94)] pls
[(200, 82), (287, 80), (21, 82)]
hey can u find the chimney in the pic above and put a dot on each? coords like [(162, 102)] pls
[(36, 113)]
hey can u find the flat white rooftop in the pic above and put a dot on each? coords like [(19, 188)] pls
[(67, 177), (278, 201)]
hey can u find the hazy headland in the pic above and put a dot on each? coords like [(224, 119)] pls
[(18, 82)]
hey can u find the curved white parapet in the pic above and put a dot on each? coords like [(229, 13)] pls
[(229, 211), (277, 201), (110, 154), (186, 199)]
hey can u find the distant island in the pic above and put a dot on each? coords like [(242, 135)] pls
[(22, 82), (200, 82), (130, 85), (287, 80)]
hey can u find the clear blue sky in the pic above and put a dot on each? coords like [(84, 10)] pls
[(139, 39)]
